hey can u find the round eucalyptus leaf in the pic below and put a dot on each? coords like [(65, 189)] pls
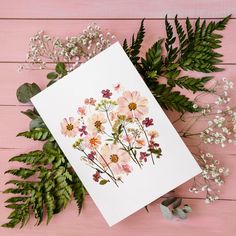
[(27, 91)]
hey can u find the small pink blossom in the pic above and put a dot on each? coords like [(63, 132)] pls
[(90, 101), (147, 122), (140, 143), (106, 93), (82, 130), (82, 110), (127, 168), (96, 176), (143, 156), (91, 155), (153, 134), (117, 87), (70, 127)]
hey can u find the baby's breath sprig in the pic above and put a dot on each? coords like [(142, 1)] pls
[(74, 50)]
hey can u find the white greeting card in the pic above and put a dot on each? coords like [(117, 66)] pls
[(115, 135)]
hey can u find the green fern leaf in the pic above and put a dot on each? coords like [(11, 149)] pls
[(133, 50)]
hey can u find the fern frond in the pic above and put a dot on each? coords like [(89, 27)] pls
[(41, 134), (133, 50)]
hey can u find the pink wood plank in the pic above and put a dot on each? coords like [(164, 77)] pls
[(116, 9), (20, 31), (15, 79), (206, 220)]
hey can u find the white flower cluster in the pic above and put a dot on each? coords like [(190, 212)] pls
[(212, 175), (221, 128), (73, 50)]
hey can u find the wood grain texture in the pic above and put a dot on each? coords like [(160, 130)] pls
[(116, 9), (19, 20), (20, 31)]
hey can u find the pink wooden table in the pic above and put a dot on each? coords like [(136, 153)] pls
[(21, 19)]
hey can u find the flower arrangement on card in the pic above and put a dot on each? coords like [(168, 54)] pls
[(111, 144), (114, 134)]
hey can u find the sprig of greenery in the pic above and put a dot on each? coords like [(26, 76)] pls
[(49, 194), (133, 50), (170, 207)]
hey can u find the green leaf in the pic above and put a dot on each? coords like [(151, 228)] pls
[(41, 134), (187, 208), (52, 75), (103, 181), (133, 50), (61, 69), (166, 212), (179, 213), (78, 191), (32, 114), (26, 91), (193, 84), (22, 172)]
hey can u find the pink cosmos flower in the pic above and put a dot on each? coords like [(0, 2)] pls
[(132, 104), (70, 127), (92, 141), (117, 159), (95, 122)]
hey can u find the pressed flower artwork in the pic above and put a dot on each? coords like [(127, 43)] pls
[(113, 134)]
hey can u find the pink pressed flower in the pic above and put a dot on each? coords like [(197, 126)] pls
[(132, 104), (153, 134), (70, 127), (82, 130), (82, 110), (106, 93), (153, 145), (128, 138), (143, 156), (90, 101), (147, 122), (96, 176), (96, 122), (117, 87), (140, 143), (91, 155), (92, 141), (127, 168), (113, 115), (116, 158)]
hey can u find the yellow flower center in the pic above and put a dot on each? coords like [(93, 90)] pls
[(70, 127), (98, 125), (93, 141), (114, 158), (132, 106)]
